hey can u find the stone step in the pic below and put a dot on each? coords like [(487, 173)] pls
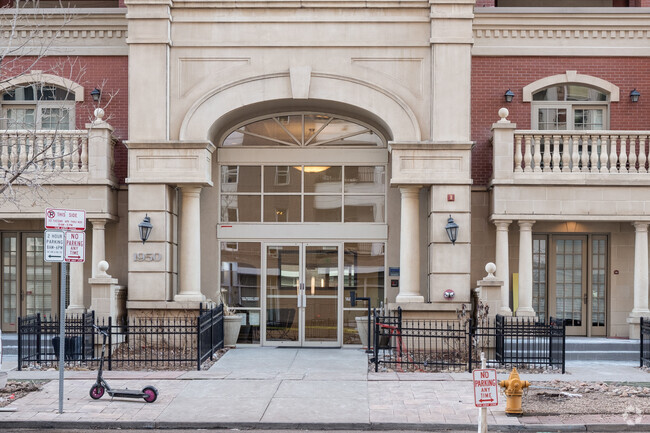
[(598, 355)]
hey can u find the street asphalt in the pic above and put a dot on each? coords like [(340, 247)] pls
[(296, 389)]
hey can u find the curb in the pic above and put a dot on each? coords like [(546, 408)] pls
[(169, 425)]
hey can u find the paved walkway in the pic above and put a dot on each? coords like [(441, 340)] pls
[(305, 388)]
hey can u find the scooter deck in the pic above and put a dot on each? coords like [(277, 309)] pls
[(129, 393)]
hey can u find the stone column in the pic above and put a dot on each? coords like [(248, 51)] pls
[(190, 246), (525, 269), (640, 278), (99, 243), (503, 266), (76, 304), (409, 252)]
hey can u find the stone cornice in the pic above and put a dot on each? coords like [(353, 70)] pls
[(98, 32), (571, 32), (304, 4)]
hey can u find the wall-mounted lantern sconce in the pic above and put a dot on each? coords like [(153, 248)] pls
[(509, 95), (452, 230), (96, 94), (634, 95), (145, 228)]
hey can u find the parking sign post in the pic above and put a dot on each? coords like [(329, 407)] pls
[(65, 242), (485, 392)]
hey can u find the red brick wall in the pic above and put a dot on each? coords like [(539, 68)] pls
[(484, 3), (108, 73), (492, 76)]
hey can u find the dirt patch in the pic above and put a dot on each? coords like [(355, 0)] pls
[(579, 398), (16, 389)]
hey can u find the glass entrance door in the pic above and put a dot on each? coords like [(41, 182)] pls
[(569, 300), (302, 295), (28, 283)]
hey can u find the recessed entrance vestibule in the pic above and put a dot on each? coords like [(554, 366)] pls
[(298, 293)]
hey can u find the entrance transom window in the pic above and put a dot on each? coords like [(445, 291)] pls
[(303, 129), (569, 107)]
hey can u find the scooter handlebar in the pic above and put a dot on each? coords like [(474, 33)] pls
[(101, 330)]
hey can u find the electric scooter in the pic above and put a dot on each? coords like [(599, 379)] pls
[(148, 393)]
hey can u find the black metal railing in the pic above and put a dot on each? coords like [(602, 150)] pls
[(645, 342), (38, 338), (455, 345), (141, 342)]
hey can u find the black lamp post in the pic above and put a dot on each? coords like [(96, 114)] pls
[(145, 228), (634, 95), (353, 303), (96, 94), (509, 95), (452, 230)]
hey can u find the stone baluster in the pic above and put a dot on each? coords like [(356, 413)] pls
[(566, 156), (74, 145), (4, 156), (38, 148), (622, 158), (13, 146), (22, 151), (518, 156), (537, 155), (58, 151), (594, 155), (68, 149), (84, 152), (547, 154), (528, 154), (575, 155), (632, 158), (49, 154), (584, 156), (642, 155), (613, 157), (556, 154)]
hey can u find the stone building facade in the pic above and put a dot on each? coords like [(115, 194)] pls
[(289, 153)]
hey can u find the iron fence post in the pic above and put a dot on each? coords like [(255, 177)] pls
[(110, 343), (563, 346), (375, 344), (469, 334), (38, 337), (198, 344), (20, 348), (640, 347)]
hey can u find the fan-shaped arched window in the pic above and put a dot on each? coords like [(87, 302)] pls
[(303, 129), (38, 106), (569, 107)]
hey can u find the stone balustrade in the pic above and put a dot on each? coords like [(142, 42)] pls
[(620, 152), (50, 151)]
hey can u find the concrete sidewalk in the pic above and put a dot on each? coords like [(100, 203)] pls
[(305, 388)]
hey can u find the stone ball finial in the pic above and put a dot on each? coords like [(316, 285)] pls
[(102, 266), (503, 114), (490, 268), (99, 113)]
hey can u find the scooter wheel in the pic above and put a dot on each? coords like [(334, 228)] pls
[(96, 392), (151, 394)]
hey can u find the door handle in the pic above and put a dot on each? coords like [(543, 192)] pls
[(302, 299), (585, 299)]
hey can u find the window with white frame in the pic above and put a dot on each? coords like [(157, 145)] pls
[(570, 107), (38, 106)]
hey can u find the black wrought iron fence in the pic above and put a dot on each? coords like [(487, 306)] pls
[(645, 342), (142, 342), (38, 338), (455, 345)]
